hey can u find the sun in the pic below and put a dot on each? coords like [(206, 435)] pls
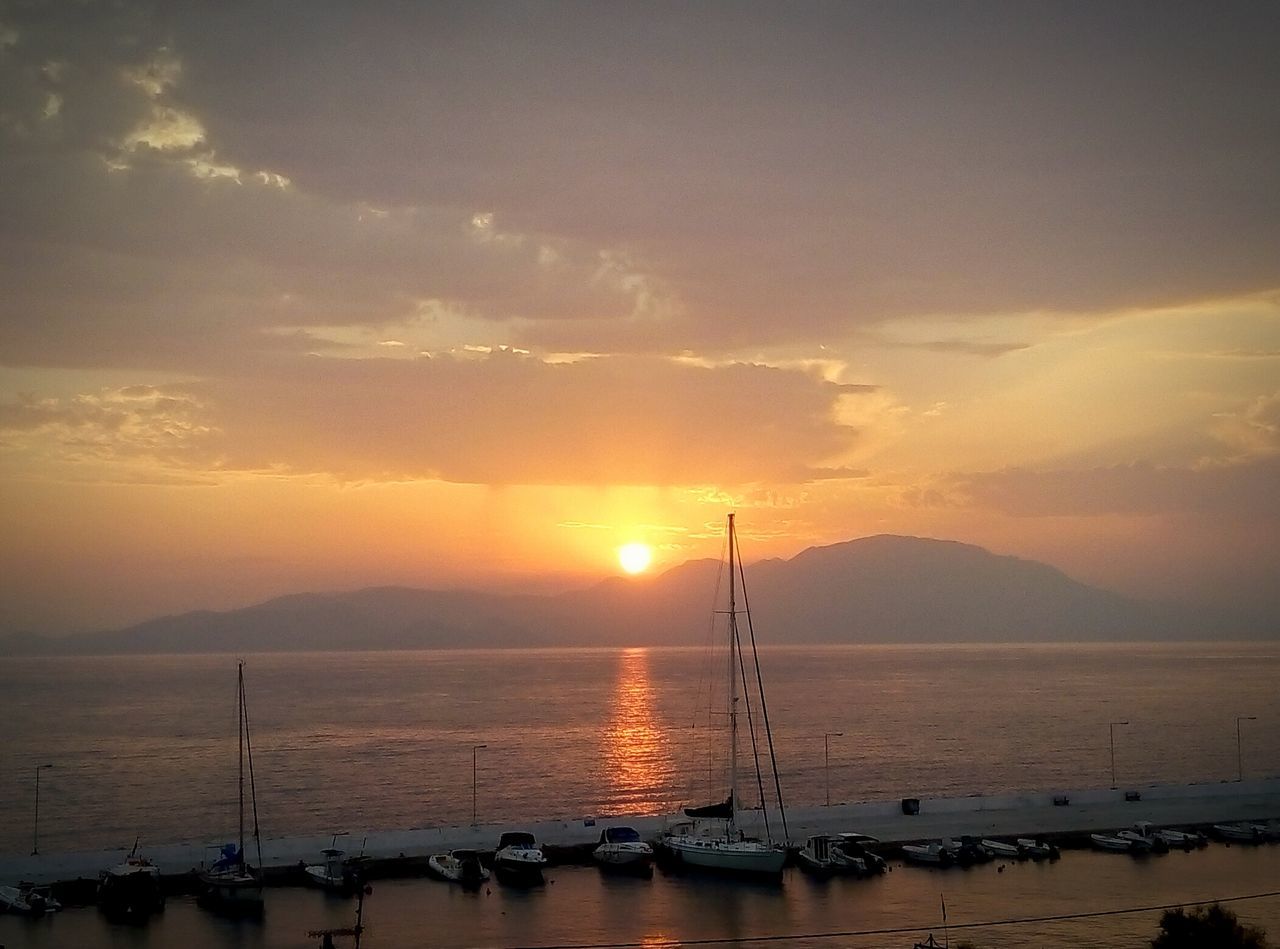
[(635, 557)]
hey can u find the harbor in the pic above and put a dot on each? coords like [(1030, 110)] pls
[(568, 840)]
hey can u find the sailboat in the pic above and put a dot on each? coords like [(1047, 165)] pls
[(710, 839), (230, 885)]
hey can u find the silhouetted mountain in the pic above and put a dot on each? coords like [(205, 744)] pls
[(882, 589)]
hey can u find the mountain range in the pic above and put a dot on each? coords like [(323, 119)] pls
[(882, 589)]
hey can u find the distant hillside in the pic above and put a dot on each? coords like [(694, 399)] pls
[(883, 589)]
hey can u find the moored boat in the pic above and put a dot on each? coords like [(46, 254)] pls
[(519, 858), (1002, 850), (27, 899), (333, 875), (1037, 849), (1238, 833), (459, 866), (928, 854), (131, 890), (713, 841), (1117, 844), (621, 848), (231, 885), (1142, 833), (852, 853)]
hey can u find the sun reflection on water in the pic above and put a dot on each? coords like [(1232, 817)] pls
[(636, 753)]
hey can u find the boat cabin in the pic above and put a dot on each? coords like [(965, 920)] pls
[(519, 839), (620, 835)]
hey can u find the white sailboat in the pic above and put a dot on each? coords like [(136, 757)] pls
[(711, 839), (230, 885)]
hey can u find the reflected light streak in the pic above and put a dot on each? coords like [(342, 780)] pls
[(636, 753)]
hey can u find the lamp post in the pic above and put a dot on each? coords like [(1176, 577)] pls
[(826, 760), (35, 827), (1112, 729), (474, 749), (1239, 755)]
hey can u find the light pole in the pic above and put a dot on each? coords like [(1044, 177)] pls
[(1112, 729), (35, 827), (474, 749), (826, 760), (1239, 756)]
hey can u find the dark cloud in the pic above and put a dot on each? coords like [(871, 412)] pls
[(661, 178)]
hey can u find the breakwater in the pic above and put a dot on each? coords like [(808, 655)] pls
[(404, 852)]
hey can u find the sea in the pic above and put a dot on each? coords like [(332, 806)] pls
[(145, 748)]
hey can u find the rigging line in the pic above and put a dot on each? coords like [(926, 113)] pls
[(893, 931), (751, 727), (253, 788), (764, 705)]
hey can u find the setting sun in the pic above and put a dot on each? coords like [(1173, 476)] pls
[(634, 557)]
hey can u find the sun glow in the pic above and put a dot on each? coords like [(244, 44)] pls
[(634, 557)]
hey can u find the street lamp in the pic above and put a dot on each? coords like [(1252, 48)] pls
[(1239, 756), (826, 760), (474, 749), (1112, 729), (35, 827)]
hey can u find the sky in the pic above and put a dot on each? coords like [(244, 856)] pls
[(316, 296)]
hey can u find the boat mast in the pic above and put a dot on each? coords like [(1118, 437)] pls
[(733, 685), (240, 724)]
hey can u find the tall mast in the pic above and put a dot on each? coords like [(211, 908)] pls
[(733, 682), (241, 724)]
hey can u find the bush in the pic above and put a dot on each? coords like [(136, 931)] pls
[(1210, 927)]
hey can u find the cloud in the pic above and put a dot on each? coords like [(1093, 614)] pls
[(1243, 492), (500, 418)]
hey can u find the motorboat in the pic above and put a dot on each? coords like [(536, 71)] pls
[(967, 852), (852, 853), (817, 855), (230, 885), (1143, 832), (621, 848), (1186, 839), (333, 875), (1239, 833), (1037, 849), (1118, 844), (1000, 849), (930, 854), (459, 866), (27, 899), (713, 841), (131, 890), (519, 858)]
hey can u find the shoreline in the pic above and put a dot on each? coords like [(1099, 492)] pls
[(404, 852)]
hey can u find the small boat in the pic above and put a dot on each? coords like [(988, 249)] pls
[(930, 854), (1186, 839), (621, 848), (967, 852), (816, 857), (852, 853), (1239, 833), (1000, 849), (333, 875), (519, 858), (459, 866), (27, 899), (230, 885), (1037, 849), (1118, 844), (131, 890), (1142, 833)]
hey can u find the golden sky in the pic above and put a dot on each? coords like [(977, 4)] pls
[(330, 295)]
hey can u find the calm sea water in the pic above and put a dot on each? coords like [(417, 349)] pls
[(146, 746), (579, 906)]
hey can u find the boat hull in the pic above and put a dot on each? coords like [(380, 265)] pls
[(232, 894), (131, 895), (624, 857), (727, 856)]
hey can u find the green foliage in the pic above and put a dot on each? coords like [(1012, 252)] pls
[(1210, 927)]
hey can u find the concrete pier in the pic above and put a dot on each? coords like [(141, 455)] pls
[(998, 815)]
